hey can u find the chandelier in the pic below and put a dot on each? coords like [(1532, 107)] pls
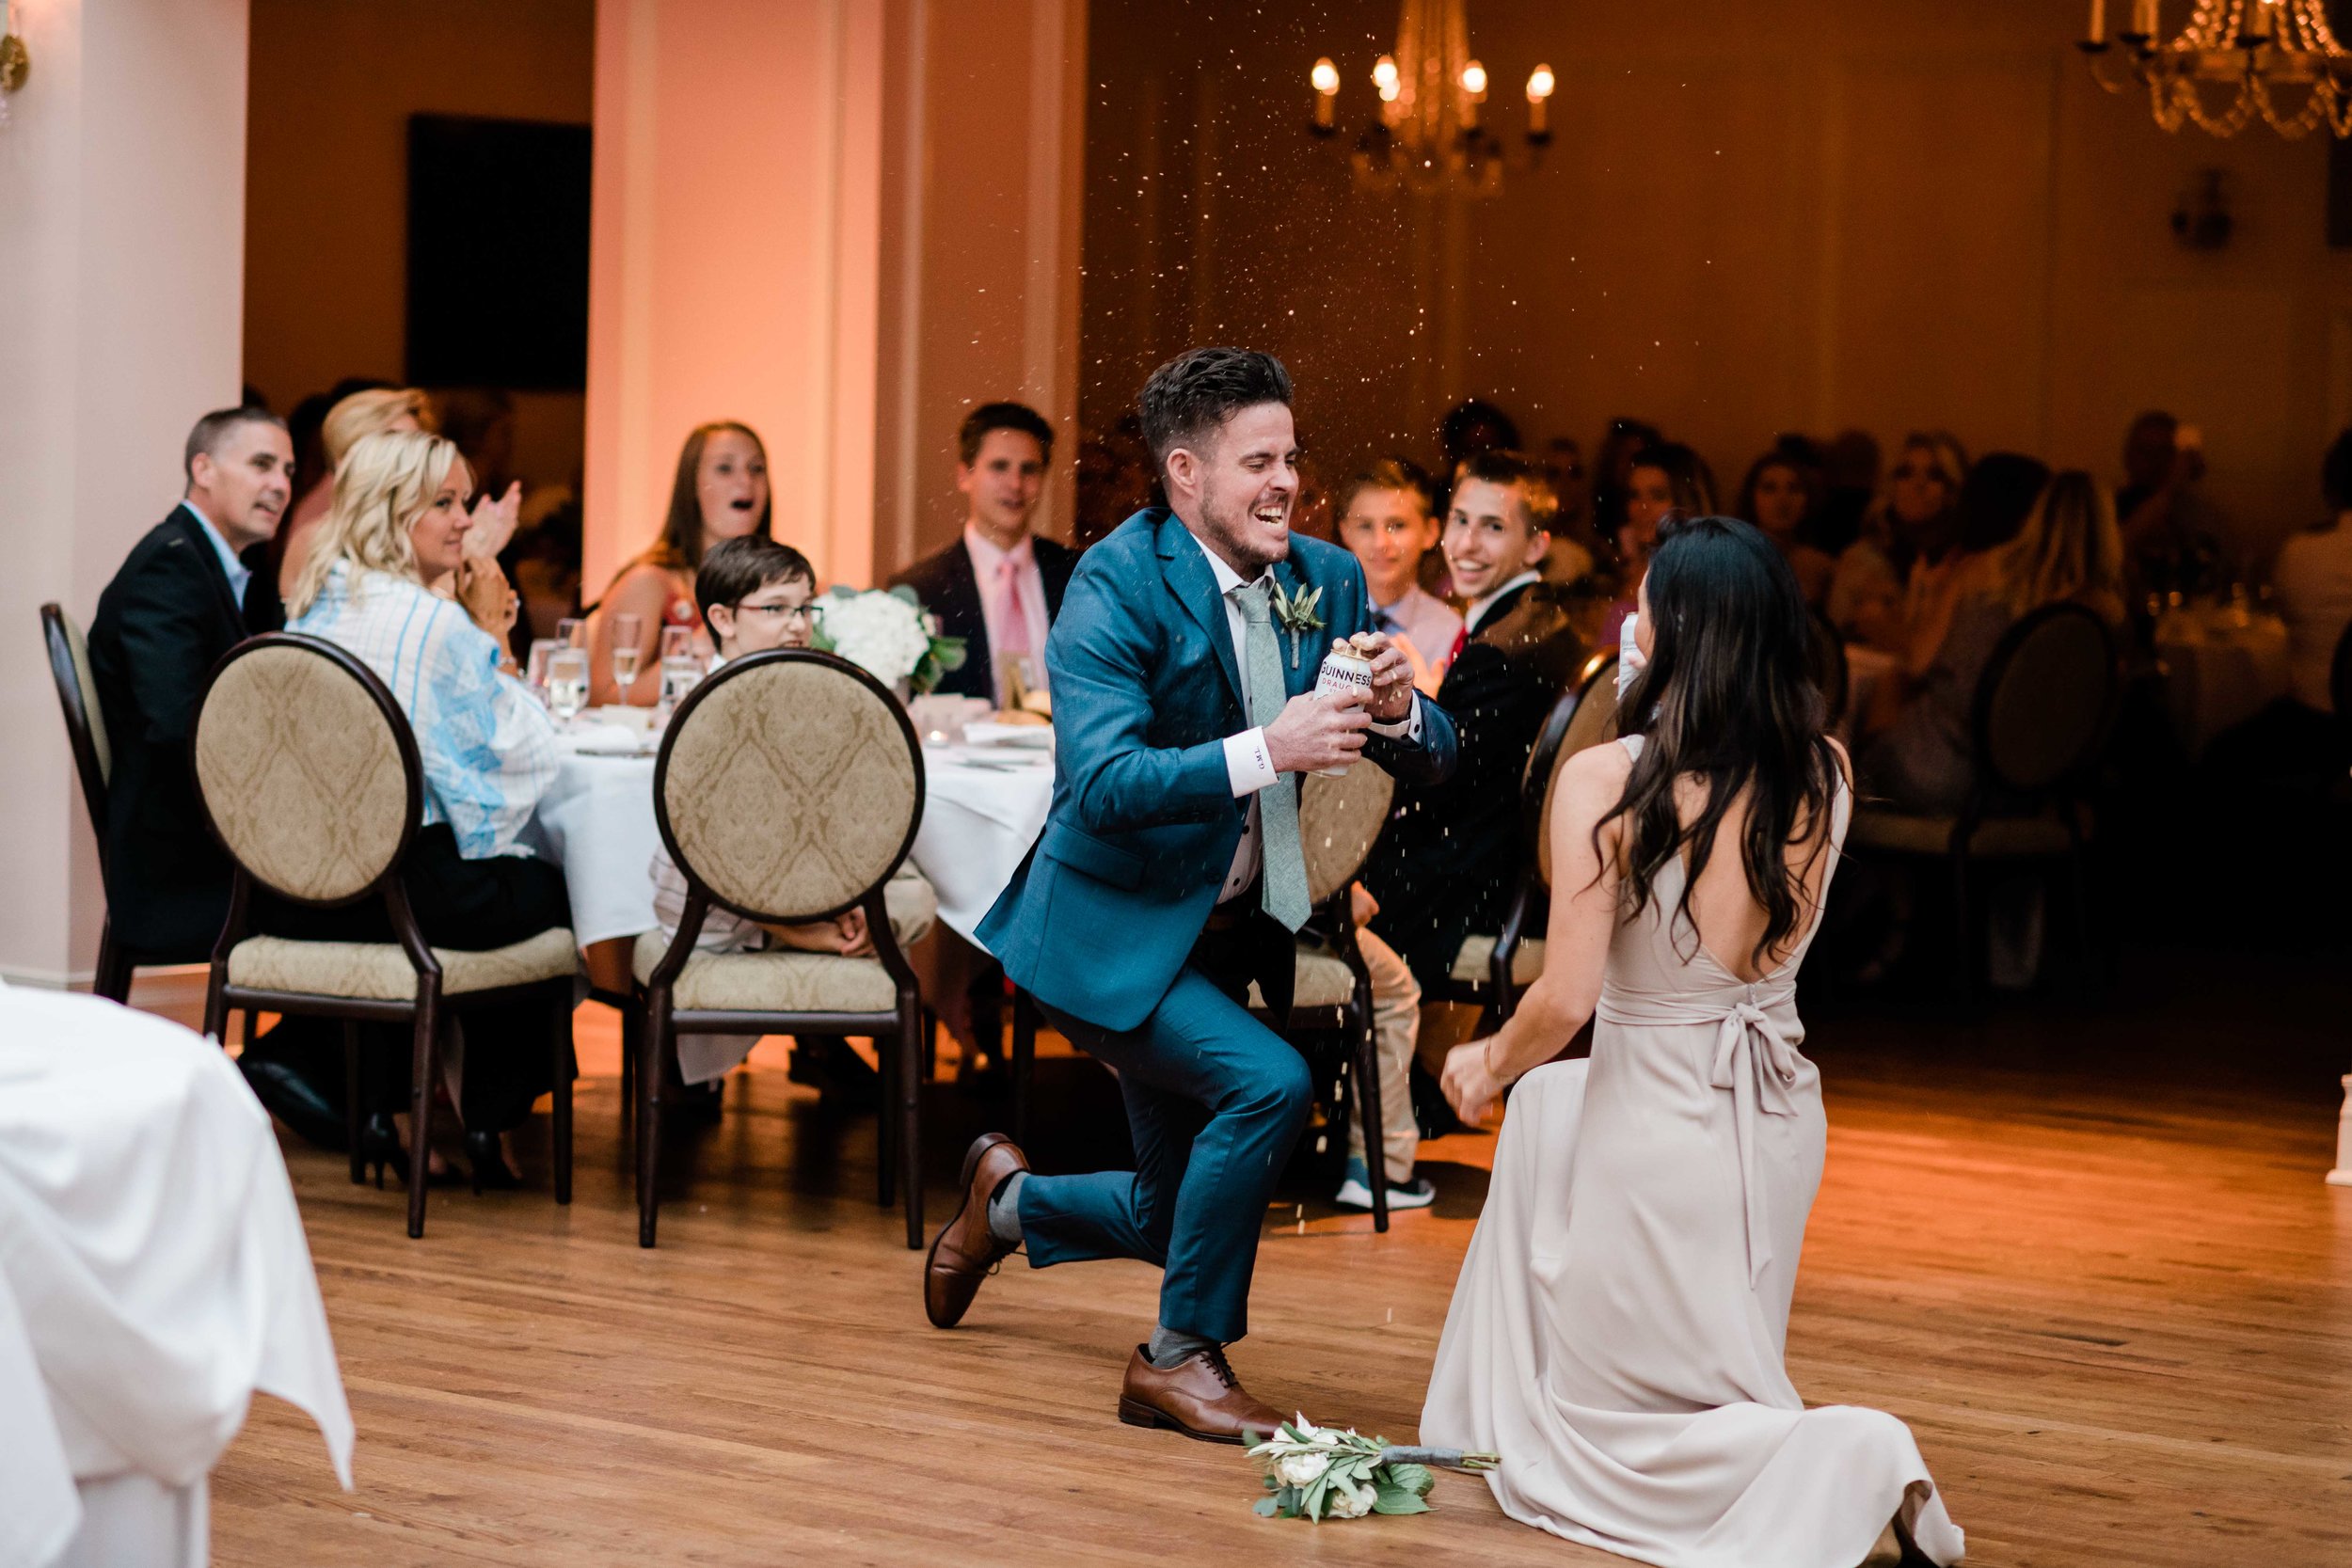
[(2236, 59), (1426, 136)]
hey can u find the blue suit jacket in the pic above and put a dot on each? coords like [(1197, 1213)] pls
[(1106, 906)]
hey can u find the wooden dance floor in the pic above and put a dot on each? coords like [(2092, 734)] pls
[(2085, 1252)]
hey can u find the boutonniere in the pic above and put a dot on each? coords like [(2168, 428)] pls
[(1295, 613)]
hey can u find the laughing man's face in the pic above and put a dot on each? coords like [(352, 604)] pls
[(1249, 485)]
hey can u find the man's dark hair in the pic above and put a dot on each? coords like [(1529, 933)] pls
[(1502, 466), (213, 429), (2335, 474), (736, 570), (1471, 415), (1388, 473), (1997, 497), (1199, 390), (1002, 416)]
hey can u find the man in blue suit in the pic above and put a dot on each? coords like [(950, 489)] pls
[(1170, 875)]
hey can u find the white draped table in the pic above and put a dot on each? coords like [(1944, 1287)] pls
[(154, 1276), (983, 807), (2221, 667)]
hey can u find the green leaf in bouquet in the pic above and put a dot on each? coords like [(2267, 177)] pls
[(907, 593), (1388, 1497), (1416, 1478), (1267, 1508), (1314, 1504), (950, 652)]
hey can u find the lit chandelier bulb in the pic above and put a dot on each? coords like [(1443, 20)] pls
[(1540, 83), (1384, 76), (1475, 79), (1326, 76)]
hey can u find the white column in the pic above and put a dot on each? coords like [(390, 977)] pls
[(122, 251)]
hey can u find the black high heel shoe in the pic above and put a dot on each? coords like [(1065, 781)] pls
[(380, 1146), (487, 1163)]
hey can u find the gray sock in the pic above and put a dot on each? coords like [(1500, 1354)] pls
[(1170, 1346), (1004, 1211)]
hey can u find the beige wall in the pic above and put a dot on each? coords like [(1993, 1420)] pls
[(122, 188), (326, 227), (1810, 214), (842, 223)]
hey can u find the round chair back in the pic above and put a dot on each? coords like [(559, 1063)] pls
[(2045, 698), (1339, 820), (1585, 716), (307, 768), (789, 786), (1830, 670), (85, 725)]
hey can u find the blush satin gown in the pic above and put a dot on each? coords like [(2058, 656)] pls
[(1617, 1331)]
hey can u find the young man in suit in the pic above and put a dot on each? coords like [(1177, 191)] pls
[(1453, 851), (1170, 875), (999, 587)]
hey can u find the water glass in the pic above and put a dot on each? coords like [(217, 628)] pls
[(626, 651), (535, 666), (568, 682)]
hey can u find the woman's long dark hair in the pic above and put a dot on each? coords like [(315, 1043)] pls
[(1729, 698)]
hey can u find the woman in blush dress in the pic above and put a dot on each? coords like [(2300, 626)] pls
[(1617, 1330)]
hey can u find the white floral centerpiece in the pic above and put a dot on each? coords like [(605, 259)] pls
[(886, 634), (1321, 1473)]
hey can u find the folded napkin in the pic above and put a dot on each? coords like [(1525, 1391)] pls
[(607, 741)]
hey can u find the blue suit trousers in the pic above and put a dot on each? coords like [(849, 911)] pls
[(1216, 1101)]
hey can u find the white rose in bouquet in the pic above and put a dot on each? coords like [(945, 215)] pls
[(1301, 1469), (887, 635), (1348, 1501)]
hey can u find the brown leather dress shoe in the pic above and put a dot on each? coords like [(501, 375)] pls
[(1198, 1397), (964, 1253)]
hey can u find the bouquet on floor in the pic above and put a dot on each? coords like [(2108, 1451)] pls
[(886, 633), (1319, 1473)]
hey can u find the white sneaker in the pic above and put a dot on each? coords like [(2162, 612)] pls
[(1354, 1194)]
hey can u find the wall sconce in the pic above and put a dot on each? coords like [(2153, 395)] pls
[(16, 62)]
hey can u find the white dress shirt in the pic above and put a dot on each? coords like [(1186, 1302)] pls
[(1248, 766), (988, 564), (2312, 582), (238, 574), (1478, 610)]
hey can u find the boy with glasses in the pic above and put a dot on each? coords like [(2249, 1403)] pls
[(755, 595)]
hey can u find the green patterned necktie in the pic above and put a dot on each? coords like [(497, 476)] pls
[(1282, 874)]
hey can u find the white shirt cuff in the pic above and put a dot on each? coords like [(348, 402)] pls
[(1248, 766), (1407, 728)]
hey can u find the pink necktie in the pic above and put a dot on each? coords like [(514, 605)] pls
[(1011, 618)]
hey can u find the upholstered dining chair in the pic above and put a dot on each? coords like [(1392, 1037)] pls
[(1493, 968), (310, 778), (93, 763), (788, 789), (1339, 820), (2039, 720)]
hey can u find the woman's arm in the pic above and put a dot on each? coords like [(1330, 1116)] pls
[(642, 591), (1576, 942)]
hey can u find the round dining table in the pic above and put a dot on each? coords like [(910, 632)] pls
[(2222, 664), (983, 806)]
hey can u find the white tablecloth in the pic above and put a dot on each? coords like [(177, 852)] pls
[(154, 1276), (2220, 669), (983, 807)]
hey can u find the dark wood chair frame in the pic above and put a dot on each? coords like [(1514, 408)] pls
[(425, 1012), (901, 1150), (115, 961), (2062, 794), (1497, 991)]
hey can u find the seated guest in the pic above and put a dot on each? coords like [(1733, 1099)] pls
[(1613, 471), (1385, 523), (720, 491), (2024, 544), (176, 606), (999, 587), (361, 411), (1916, 520), (2311, 586), (755, 595), (487, 750), (1395, 1031), (1850, 476), (1662, 478), (1780, 496), (1450, 857), (2172, 533)]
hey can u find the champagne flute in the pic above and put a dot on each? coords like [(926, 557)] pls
[(572, 632), (568, 682), (535, 666), (626, 653)]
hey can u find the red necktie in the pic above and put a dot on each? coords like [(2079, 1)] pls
[(1461, 641)]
